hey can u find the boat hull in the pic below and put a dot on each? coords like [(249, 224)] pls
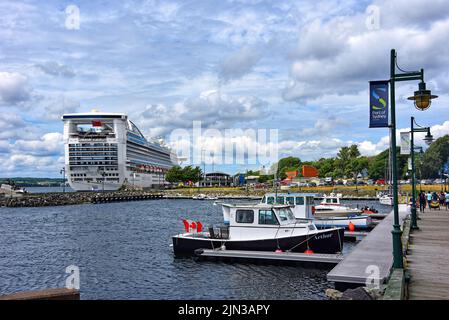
[(329, 241), (359, 222), (336, 213)]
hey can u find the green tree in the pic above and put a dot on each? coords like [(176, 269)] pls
[(174, 174), (344, 158), (287, 164), (434, 158), (188, 173)]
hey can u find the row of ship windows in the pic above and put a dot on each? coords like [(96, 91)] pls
[(144, 158), (90, 145), (133, 151), (93, 150), (73, 163), (85, 175), (98, 180), (93, 158), (111, 168)]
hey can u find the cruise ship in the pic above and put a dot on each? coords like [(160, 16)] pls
[(104, 151)]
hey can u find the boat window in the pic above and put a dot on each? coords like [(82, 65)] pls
[(244, 216), (334, 201), (280, 200), (264, 199), (290, 214), (270, 200), (267, 217), (286, 214), (310, 200), (290, 200), (299, 201)]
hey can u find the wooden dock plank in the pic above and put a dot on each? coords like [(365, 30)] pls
[(428, 257), (265, 255), (374, 250)]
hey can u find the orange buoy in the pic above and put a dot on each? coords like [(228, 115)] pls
[(351, 226), (308, 251)]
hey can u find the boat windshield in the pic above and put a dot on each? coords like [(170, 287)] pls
[(285, 214)]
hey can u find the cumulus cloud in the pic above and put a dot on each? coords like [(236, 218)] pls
[(239, 63), (211, 107), (55, 69), (50, 144), (55, 107), (326, 126), (341, 55), (13, 88)]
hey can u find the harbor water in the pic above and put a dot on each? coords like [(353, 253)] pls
[(123, 252)]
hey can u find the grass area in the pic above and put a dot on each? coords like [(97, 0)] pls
[(345, 190)]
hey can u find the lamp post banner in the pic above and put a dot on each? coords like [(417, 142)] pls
[(405, 143), (378, 104)]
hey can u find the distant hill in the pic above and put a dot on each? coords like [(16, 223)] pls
[(32, 182)]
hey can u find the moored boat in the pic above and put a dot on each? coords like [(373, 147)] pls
[(259, 227), (302, 205), (331, 206)]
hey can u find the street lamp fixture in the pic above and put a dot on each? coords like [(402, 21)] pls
[(428, 139), (422, 97)]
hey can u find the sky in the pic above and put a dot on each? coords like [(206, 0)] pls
[(300, 67)]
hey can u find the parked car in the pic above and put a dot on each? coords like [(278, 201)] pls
[(339, 182)]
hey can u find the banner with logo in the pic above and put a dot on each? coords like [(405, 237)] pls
[(405, 143), (378, 104)]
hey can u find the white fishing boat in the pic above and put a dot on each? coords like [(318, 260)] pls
[(199, 197), (331, 206), (303, 207), (386, 199), (259, 227)]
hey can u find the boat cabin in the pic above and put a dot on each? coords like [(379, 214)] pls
[(259, 221), (301, 203), (331, 200)]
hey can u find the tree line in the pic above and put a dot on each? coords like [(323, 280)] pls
[(348, 163)]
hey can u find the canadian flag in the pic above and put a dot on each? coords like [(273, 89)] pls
[(192, 226)]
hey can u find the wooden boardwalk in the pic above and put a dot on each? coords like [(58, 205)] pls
[(374, 250), (428, 257)]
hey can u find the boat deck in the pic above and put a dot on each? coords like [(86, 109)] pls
[(428, 257), (374, 250)]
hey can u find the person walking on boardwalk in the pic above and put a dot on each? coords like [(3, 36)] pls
[(447, 199), (429, 198), (422, 201), (442, 197)]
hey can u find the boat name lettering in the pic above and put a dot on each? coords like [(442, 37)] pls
[(323, 236)]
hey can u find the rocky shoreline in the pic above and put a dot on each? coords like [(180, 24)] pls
[(73, 198)]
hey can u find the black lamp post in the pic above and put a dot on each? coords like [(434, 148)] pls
[(422, 99), (428, 139)]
